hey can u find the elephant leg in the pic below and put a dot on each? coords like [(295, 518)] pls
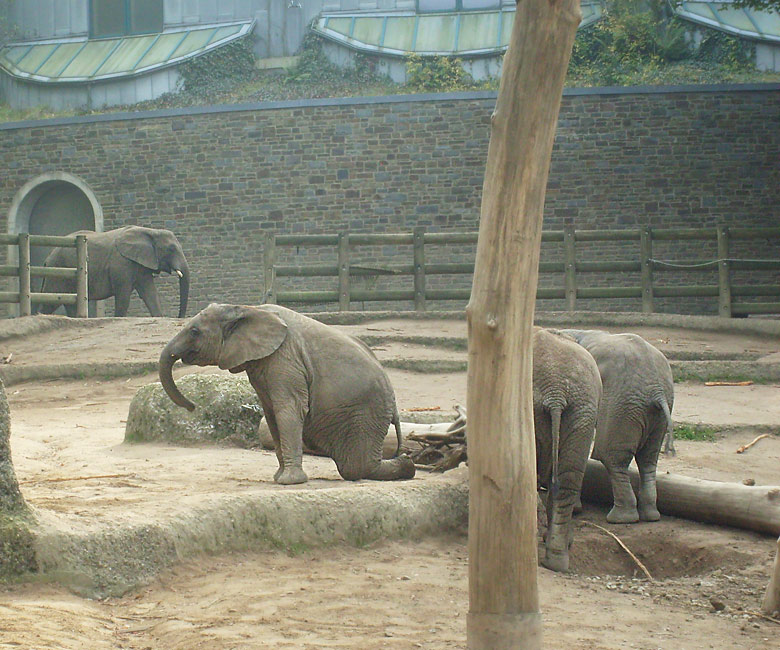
[(358, 455), (624, 509), (289, 428), (274, 429), (559, 529), (647, 461), (148, 292), (122, 300)]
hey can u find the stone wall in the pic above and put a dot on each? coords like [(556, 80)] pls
[(223, 177)]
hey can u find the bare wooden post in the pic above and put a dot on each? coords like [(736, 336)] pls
[(503, 593), (25, 302), (771, 602), (570, 267), (419, 268), (269, 275), (724, 282), (82, 277), (344, 288), (646, 254)]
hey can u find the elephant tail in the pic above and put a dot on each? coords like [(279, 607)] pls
[(555, 431), (398, 435), (668, 444)]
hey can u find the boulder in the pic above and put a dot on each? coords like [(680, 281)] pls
[(227, 413)]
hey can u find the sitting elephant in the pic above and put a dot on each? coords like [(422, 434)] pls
[(634, 418), (121, 261), (566, 394), (317, 385)]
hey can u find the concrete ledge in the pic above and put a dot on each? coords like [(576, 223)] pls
[(12, 375), (110, 559)]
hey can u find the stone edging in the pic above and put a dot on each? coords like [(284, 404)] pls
[(111, 559)]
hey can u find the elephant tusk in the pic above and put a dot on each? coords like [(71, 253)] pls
[(179, 273)]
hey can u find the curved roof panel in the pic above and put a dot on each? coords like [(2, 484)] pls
[(80, 60), (465, 33), (758, 25)]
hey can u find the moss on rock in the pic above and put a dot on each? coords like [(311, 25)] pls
[(17, 548), (227, 412)]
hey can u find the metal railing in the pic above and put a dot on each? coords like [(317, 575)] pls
[(24, 271), (730, 296)]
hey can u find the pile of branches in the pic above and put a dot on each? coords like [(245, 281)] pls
[(439, 451)]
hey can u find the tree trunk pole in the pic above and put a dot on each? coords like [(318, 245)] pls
[(771, 603), (503, 594)]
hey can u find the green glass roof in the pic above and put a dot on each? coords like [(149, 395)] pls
[(760, 25), (466, 33), (74, 60)]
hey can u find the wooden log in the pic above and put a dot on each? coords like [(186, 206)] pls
[(754, 508), (771, 602), (503, 591)]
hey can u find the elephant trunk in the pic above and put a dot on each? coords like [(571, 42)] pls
[(167, 358), (184, 287)]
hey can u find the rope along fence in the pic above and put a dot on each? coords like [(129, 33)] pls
[(731, 297)]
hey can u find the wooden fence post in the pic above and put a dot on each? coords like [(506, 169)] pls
[(82, 277), (724, 281), (269, 275), (419, 268), (344, 287), (25, 302), (646, 255), (570, 268)]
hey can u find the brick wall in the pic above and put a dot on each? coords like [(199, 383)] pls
[(223, 177)]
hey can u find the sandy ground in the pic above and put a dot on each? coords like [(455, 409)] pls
[(395, 594)]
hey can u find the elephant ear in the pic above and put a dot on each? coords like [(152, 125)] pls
[(249, 333), (137, 245)]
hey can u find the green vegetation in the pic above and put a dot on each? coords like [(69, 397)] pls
[(642, 42), (637, 42), (696, 432)]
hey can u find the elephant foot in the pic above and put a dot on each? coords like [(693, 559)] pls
[(623, 515), (649, 513), (394, 469), (556, 561), (290, 476)]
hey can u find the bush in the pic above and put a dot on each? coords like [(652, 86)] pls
[(435, 74), (643, 41)]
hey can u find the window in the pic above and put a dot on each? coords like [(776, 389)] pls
[(428, 6), (123, 17)]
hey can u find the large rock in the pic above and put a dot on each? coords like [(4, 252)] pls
[(227, 412), (10, 496), (16, 550)]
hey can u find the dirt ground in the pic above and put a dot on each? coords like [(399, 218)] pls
[(70, 459)]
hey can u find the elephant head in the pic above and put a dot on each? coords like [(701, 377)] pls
[(227, 336), (159, 251)]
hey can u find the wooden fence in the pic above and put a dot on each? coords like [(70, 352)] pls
[(24, 271), (730, 296)]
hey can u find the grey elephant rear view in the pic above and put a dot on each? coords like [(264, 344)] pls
[(121, 261), (566, 394), (316, 384), (634, 418)]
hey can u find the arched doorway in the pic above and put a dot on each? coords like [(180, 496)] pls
[(56, 203)]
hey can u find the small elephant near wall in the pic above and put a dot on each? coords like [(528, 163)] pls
[(317, 385), (122, 261), (634, 418), (566, 394)]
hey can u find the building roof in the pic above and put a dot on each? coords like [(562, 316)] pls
[(82, 60), (749, 23), (465, 33)]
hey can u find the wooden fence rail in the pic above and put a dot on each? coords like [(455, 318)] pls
[(729, 295), (25, 271)]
